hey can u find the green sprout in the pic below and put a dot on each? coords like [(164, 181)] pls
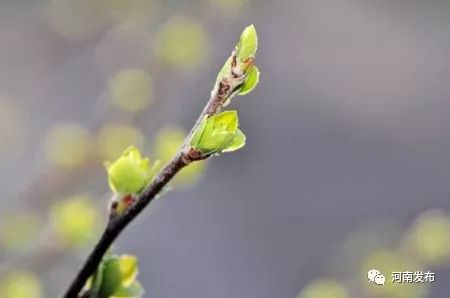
[(245, 54), (219, 133), (130, 173), (116, 277), (248, 44)]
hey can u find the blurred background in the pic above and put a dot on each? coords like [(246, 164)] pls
[(346, 167)]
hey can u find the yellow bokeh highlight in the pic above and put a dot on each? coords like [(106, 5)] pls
[(182, 43), (113, 139), (77, 19), (166, 144), (387, 262), (229, 6), (130, 11), (324, 288), (67, 145), (21, 284), (18, 231), (75, 220), (131, 89), (430, 237)]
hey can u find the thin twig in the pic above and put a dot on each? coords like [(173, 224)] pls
[(222, 93)]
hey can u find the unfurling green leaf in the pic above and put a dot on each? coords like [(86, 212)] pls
[(199, 132), (248, 43), (128, 269), (116, 277), (130, 173), (245, 52), (112, 277), (251, 81), (219, 133), (135, 290), (237, 143), (95, 281)]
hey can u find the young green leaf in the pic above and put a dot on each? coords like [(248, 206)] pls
[(245, 49), (128, 269), (248, 43), (199, 132), (251, 81), (237, 143), (112, 277), (219, 133), (97, 278), (135, 290), (117, 277)]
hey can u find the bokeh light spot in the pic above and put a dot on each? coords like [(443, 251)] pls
[(166, 144), (182, 43), (430, 236), (387, 261), (20, 284), (67, 145), (229, 6), (324, 288), (19, 231), (131, 89), (77, 19), (113, 139), (75, 220), (130, 10)]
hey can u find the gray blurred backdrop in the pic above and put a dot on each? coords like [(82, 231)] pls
[(348, 138)]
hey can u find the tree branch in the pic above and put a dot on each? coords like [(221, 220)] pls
[(222, 93)]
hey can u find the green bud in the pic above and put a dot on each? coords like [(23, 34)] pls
[(128, 269), (130, 173), (219, 133), (111, 277), (119, 277), (251, 81), (248, 43), (199, 132), (245, 49), (95, 281)]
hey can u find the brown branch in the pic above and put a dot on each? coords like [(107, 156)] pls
[(222, 93)]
